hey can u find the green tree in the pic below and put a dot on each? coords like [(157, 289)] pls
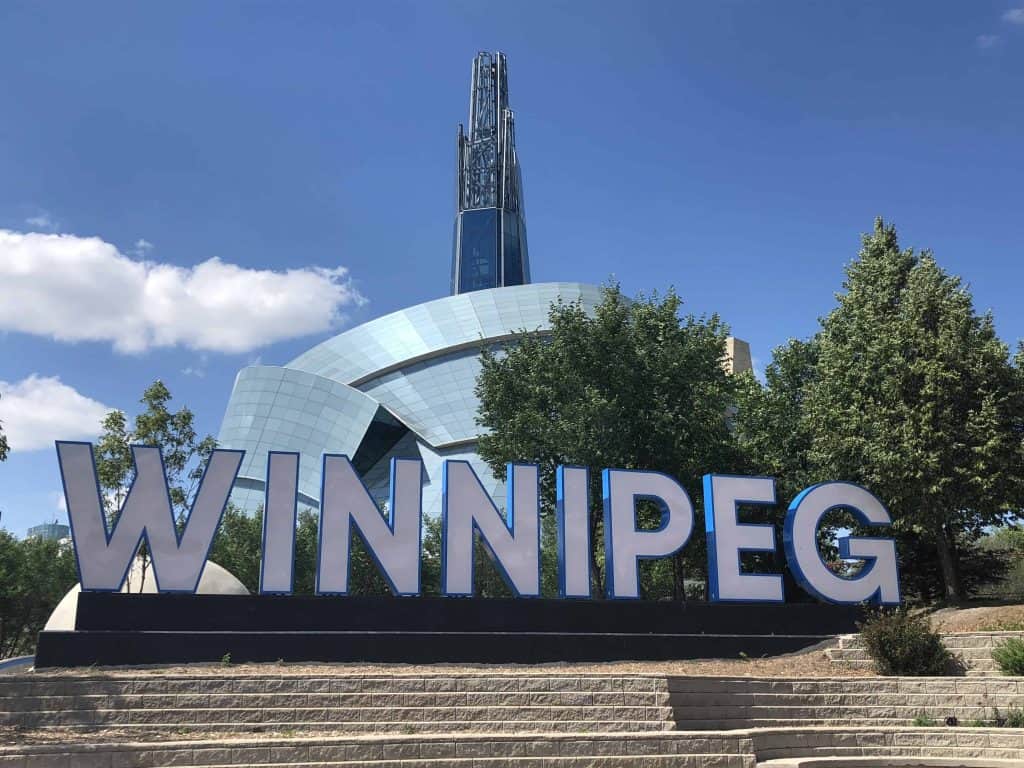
[(35, 574), (916, 398), (770, 428), (632, 386), (306, 547), (184, 453), (238, 545)]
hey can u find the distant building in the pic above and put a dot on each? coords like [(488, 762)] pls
[(49, 531), (737, 354)]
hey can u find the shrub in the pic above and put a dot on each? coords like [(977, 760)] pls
[(1009, 655), (1015, 718), (923, 721), (901, 643)]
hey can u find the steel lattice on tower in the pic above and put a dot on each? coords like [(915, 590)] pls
[(490, 231)]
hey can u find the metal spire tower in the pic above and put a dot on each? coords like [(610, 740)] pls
[(490, 230)]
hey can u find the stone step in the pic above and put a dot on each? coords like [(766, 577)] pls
[(744, 724), (316, 700), (604, 749), (887, 761), (851, 701), (802, 713), (41, 684), (872, 685), (845, 746), (283, 715), (383, 727), (561, 761), (847, 654)]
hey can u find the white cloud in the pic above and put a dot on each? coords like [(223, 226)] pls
[(986, 41), (42, 220), (74, 288), (1014, 16), (40, 409), (142, 247)]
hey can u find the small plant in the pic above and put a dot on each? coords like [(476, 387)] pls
[(952, 721), (226, 659), (1015, 718), (977, 723), (902, 643), (923, 721), (1009, 656), (744, 656)]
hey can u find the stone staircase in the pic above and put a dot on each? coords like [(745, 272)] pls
[(370, 704), (705, 703), (487, 720), (975, 648)]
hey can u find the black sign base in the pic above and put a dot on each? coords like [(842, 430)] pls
[(119, 629)]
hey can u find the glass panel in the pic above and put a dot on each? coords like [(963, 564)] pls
[(479, 247), (513, 249)]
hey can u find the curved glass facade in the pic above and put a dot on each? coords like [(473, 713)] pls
[(400, 385)]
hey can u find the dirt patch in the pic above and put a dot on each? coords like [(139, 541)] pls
[(982, 618), (812, 663)]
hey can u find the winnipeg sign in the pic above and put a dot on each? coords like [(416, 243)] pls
[(394, 541)]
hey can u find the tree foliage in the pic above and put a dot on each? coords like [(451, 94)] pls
[(35, 574), (238, 546), (771, 432), (908, 391), (633, 386), (915, 397), (184, 453)]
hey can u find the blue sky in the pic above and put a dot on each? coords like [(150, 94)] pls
[(235, 181)]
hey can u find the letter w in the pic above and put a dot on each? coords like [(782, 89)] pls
[(104, 557)]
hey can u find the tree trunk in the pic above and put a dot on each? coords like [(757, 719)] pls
[(596, 575), (679, 577), (947, 562)]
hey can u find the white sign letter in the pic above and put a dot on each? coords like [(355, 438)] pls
[(394, 544), (104, 557), (625, 546), (878, 580), (572, 488), (277, 567), (727, 538), (513, 543)]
